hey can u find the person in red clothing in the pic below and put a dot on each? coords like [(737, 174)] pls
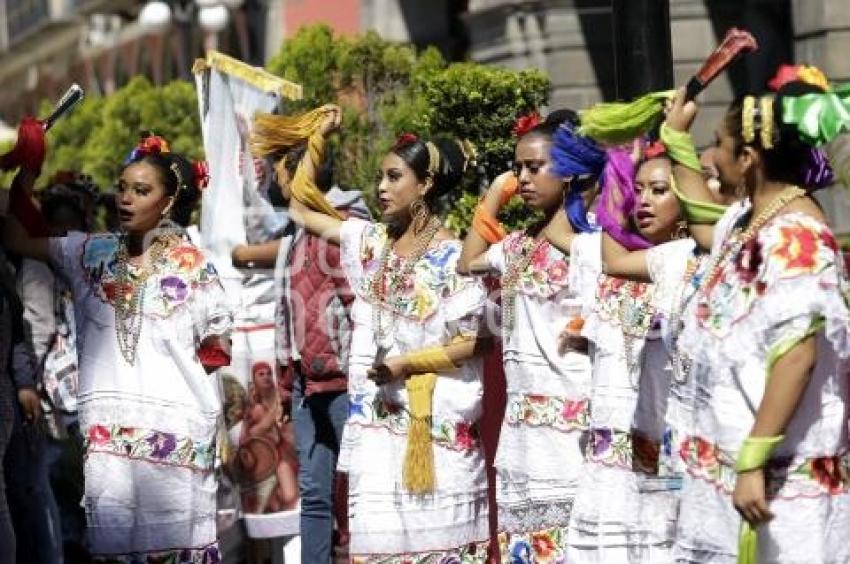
[(313, 336)]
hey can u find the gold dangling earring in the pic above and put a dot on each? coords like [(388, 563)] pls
[(419, 214), (681, 231)]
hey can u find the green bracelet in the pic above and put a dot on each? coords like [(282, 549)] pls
[(755, 452)]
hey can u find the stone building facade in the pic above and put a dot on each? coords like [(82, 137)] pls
[(572, 40)]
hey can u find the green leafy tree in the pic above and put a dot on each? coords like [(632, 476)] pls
[(97, 136), (386, 88)]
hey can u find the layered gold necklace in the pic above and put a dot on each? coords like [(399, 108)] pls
[(391, 293), (130, 295), (734, 244)]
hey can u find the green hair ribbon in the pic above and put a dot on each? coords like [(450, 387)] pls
[(680, 147), (819, 118), (620, 122)]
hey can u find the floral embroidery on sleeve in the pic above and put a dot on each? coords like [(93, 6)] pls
[(182, 270), (792, 246)]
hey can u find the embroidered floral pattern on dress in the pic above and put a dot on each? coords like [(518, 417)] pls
[(149, 445), (627, 304), (206, 555), (472, 554), (454, 435), (548, 268), (431, 281), (785, 479), (547, 546), (547, 411), (790, 246), (610, 447), (183, 268), (631, 450)]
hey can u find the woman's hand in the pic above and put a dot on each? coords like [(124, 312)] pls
[(333, 119), (749, 498), (681, 114), (391, 369), (237, 255), (30, 404), (570, 338)]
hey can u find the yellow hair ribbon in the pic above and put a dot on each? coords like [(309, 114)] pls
[(273, 133), (748, 119)]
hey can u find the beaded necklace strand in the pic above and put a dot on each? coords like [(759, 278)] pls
[(736, 241), (517, 264), (130, 297), (389, 295)]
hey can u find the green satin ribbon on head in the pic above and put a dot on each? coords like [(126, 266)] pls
[(680, 147), (819, 118)]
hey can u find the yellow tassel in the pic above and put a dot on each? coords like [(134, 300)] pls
[(418, 469)]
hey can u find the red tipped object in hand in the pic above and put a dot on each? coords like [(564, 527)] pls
[(736, 42)]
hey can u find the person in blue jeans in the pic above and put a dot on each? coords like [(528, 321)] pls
[(318, 419)]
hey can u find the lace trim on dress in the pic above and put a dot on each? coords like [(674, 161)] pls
[(205, 555), (531, 515)]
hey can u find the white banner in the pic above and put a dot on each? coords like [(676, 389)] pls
[(235, 210)]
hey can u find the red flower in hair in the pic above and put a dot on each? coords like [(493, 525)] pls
[(153, 145), (201, 174), (526, 123), (784, 75), (655, 149), (406, 138)]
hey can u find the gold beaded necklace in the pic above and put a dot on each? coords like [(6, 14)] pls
[(682, 363), (389, 295), (736, 241), (130, 296), (517, 264)]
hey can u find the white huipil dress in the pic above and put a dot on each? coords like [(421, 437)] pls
[(787, 283), (387, 523), (672, 267), (545, 423), (624, 510), (149, 427)]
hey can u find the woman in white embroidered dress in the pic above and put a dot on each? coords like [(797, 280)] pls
[(767, 462), (153, 316), (540, 444), (408, 295), (626, 505)]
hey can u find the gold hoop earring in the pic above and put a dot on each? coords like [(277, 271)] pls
[(419, 214)]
